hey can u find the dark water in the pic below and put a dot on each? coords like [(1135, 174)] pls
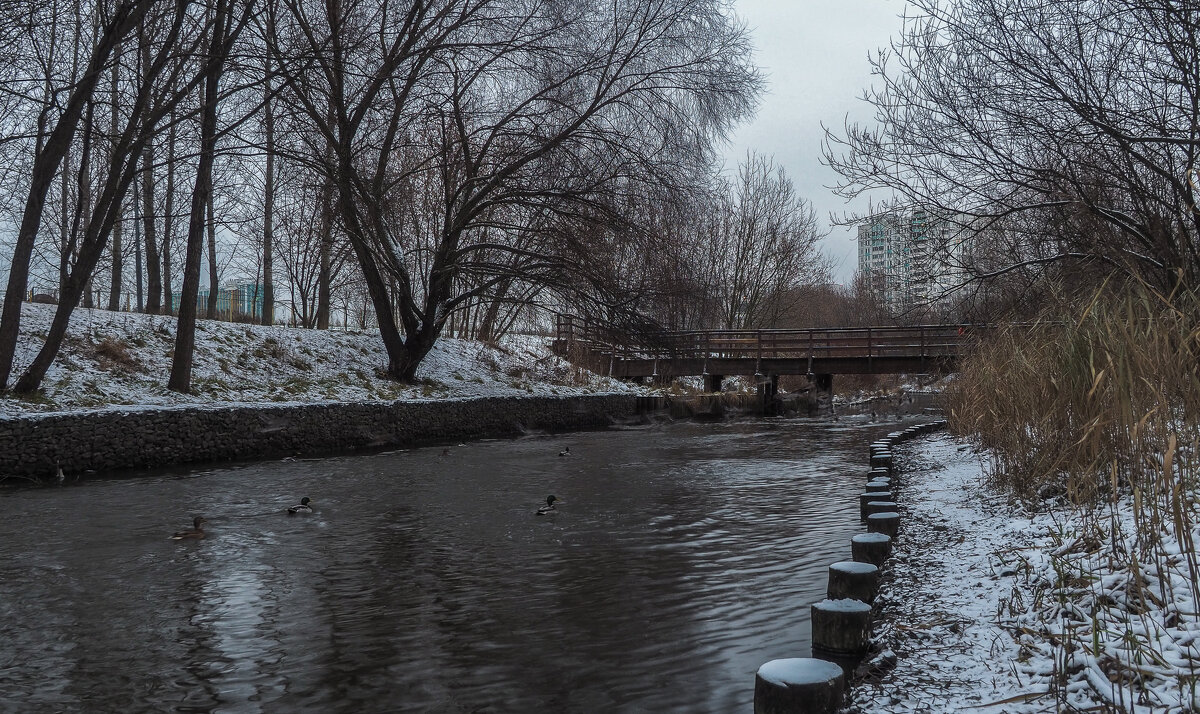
[(685, 556)]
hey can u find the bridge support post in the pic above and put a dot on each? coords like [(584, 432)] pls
[(712, 382), (767, 391)]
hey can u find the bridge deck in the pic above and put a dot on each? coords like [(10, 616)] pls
[(856, 350)]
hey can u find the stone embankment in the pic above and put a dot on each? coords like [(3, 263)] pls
[(114, 439)]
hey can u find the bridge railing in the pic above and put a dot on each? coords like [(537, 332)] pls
[(932, 341)]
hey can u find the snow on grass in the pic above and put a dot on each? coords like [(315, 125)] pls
[(989, 608), (120, 358)]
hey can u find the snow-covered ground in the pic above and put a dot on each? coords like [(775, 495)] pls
[(989, 608), (120, 358)]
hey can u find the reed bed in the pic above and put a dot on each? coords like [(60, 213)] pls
[(1093, 411)]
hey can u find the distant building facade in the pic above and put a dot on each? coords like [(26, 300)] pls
[(234, 301), (911, 258)]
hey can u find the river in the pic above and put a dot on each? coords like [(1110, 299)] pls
[(685, 556)]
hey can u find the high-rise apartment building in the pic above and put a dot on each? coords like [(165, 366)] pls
[(911, 258)]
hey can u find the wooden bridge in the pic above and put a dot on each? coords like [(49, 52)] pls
[(714, 354)]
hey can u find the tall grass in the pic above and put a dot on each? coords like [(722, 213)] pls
[(1094, 395), (1098, 402)]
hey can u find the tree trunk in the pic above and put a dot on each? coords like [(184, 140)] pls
[(64, 225), (114, 291), (153, 277), (491, 316), (323, 274), (323, 280), (185, 333), (393, 343), (268, 247), (168, 306), (213, 278)]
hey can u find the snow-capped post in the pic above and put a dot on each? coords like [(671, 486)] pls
[(799, 685), (853, 580), (841, 629), (883, 505), (878, 486), (881, 459), (873, 548), (887, 522), (869, 496), (879, 472)]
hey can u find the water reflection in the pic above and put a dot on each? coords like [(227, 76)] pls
[(686, 555)]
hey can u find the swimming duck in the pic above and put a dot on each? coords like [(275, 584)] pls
[(565, 452), (194, 532), (303, 507), (549, 507)]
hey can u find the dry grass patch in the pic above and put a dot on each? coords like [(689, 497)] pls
[(113, 354)]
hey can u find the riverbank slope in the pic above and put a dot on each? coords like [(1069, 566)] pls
[(123, 359), (990, 607)]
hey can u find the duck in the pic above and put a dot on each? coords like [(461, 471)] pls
[(194, 532), (549, 507), (302, 507), (565, 452)]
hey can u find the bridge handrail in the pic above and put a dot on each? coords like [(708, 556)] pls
[(930, 340)]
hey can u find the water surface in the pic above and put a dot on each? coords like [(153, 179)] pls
[(685, 556)]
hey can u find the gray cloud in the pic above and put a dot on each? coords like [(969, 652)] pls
[(815, 56)]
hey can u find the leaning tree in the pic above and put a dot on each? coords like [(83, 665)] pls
[(517, 111)]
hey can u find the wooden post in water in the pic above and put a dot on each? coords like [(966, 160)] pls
[(869, 497), (887, 522), (799, 685), (767, 390), (873, 548), (880, 506), (853, 580), (841, 628)]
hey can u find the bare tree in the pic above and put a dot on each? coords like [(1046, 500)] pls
[(148, 103), (1041, 121), (52, 145), (512, 111), (268, 234), (228, 19), (758, 246)]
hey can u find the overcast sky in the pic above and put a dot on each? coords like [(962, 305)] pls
[(814, 54)]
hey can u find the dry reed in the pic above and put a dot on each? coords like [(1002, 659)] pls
[(1096, 404)]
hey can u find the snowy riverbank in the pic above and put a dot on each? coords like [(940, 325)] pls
[(989, 608), (121, 358)]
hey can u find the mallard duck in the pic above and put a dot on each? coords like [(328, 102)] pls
[(302, 507), (549, 507), (565, 452), (194, 532)]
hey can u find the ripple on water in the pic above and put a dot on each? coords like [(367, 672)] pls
[(684, 557)]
